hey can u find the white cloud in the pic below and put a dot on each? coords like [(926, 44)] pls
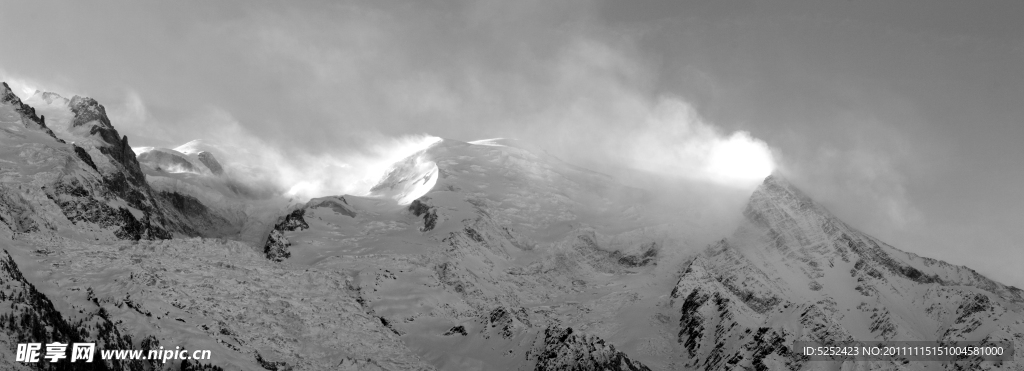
[(298, 173), (676, 141)]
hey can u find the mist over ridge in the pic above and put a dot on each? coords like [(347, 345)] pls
[(495, 185)]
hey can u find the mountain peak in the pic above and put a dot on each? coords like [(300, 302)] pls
[(780, 206), (87, 110), (777, 190), (795, 271), (6, 95), (776, 183)]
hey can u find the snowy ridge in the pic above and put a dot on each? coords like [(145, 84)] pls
[(183, 159), (795, 272), (202, 152), (171, 161)]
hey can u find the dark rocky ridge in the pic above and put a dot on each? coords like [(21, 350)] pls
[(565, 350), (82, 154), (429, 214), (88, 111), (78, 205), (336, 203), (276, 247)]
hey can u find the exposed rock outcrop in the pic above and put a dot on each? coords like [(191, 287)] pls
[(211, 162), (276, 247), (565, 350), (429, 214)]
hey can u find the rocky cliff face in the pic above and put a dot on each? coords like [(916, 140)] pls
[(565, 350), (276, 248), (123, 174)]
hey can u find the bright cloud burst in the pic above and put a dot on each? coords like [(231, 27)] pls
[(676, 141), (740, 159)]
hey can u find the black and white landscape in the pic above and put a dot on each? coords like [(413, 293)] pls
[(619, 230)]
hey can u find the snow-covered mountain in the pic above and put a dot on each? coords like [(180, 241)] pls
[(69, 152), (187, 158), (94, 184), (203, 153), (500, 262), (792, 271), (500, 232), (486, 255), (206, 194)]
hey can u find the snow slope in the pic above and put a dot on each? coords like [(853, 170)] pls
[(503, 248)]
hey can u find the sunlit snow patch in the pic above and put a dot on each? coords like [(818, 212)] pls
[(407, 180), (198, 145), (421, 185), (141, 150), (412, 177)]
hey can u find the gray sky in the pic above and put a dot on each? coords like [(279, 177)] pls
[(905, 118)]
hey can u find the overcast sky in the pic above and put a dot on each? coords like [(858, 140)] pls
[(905, 118)]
